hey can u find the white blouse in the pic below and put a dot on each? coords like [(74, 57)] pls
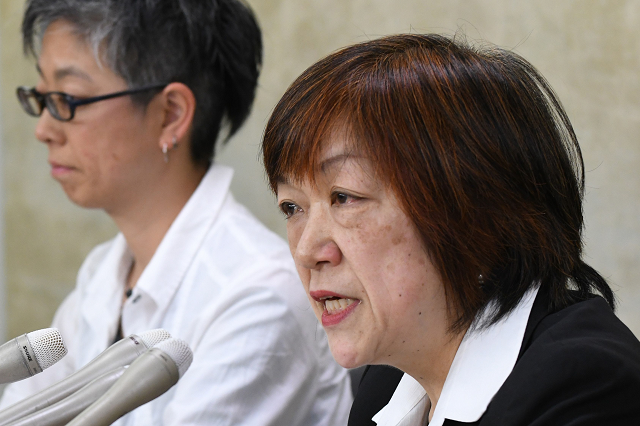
[(227, 286)]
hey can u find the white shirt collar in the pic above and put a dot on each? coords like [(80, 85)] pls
[(482, 363), (161, 278)]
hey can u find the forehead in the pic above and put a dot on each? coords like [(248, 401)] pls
[(63, 37), (335, 151), (336, 156), (65, 54)]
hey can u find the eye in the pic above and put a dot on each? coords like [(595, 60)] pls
[(289, 209), (71, 98), (342, 198)]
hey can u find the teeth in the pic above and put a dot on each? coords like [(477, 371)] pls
[(335, 305)]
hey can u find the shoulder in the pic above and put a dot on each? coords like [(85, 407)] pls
[(241, 266), (223, 236), (249, 233), (580, 365), (588, 336), (242, 252)]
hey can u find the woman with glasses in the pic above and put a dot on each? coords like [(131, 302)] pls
[(433, 196), (131, 98)]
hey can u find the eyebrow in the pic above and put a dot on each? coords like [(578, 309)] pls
[(65, 72)]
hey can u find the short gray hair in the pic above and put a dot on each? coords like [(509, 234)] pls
[(212, 46)]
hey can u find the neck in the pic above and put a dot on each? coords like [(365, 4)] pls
[(432, 366), (145, 222)]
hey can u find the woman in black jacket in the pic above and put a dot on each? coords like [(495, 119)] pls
[(433, 192)]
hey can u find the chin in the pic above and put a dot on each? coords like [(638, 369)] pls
[(82, 202), (81, 199), (347, 357)]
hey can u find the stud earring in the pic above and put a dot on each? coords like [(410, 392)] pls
[(480, 279)]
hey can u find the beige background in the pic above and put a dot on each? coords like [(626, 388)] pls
[(589, 50)]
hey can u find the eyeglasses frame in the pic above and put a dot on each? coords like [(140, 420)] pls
[(74, 102)]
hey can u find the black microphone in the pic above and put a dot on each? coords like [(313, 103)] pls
[(30, 354)]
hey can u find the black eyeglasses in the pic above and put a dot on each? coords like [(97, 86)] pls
[(63, 106)]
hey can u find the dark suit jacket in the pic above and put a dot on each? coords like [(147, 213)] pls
[(577, 366)]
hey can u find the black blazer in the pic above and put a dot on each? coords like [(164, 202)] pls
[(577, 366)]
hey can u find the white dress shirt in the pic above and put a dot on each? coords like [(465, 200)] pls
[(227, 286), (482, 364)]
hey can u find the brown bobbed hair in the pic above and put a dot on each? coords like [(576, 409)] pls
[(476, 147)]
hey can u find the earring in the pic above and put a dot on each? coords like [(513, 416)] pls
[(480, 279), (165, 148), (164, 152)]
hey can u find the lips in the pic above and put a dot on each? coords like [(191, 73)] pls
[(336, 307), (58, 169)]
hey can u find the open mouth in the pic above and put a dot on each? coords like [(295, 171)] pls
[(333, 305)]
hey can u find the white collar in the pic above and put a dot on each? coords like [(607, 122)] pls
[(482, 363), (164, 273), (176, 251)]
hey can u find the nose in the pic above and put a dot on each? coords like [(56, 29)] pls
[(48, 129), (316, 246)]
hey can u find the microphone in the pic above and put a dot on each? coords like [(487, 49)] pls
[(117, 355), (64, 411), (30, 353), (148, 377)]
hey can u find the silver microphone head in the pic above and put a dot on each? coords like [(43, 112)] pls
[(179, 352), (48, 346), (29, 354), (149, 376), (152, 337), (121, 353)]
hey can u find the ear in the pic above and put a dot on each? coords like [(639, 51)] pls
[(179, 104)]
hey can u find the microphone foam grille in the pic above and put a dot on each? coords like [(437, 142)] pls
[(153, 337), (179, 352), (48, 346)]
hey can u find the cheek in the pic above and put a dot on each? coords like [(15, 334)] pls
[(395, 258), (123, 150), (89, 156), (305, 276), (293, 236), (376, 247), (295, 227)]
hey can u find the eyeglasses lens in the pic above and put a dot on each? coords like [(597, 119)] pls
[(58, 106), (30, 102)]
